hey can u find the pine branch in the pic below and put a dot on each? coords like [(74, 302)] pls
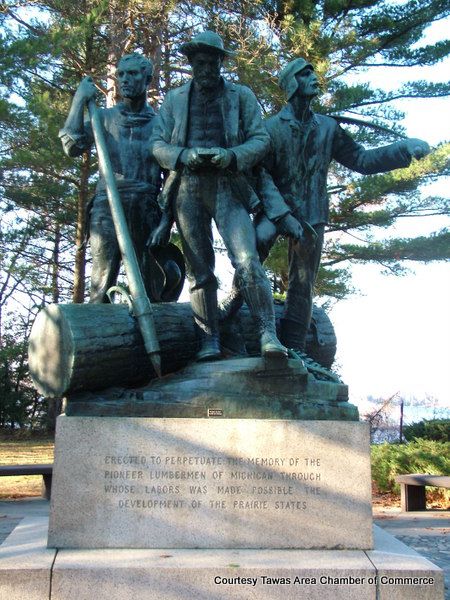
[(15, 17)]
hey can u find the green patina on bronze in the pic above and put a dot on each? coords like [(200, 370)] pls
[(224, 163), (209, 134), (303, 144), (126, 129), (244, 388)]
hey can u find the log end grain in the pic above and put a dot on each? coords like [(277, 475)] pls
[(51, 352)]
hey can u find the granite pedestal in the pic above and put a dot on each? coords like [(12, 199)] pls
[(210, 483), (391, 571), (198, 509)]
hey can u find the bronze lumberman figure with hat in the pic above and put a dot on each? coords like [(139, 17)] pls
[(208, 133), (302, 146)]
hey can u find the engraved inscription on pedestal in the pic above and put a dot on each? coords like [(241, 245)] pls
[(213, 484)]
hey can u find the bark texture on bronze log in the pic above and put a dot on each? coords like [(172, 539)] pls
[(76, 347)]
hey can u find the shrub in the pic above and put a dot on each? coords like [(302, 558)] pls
[(434, 429), (419, 456)]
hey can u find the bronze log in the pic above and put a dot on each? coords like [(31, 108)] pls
[(76, 347)]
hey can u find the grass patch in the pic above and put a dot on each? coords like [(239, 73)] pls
[(23, 449)]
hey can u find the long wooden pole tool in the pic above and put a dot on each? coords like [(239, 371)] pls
[(142, 307)]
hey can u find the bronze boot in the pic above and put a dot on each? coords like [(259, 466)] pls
[(204, 307), (293, 334), (271, 347), (260, 304)]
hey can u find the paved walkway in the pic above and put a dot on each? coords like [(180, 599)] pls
[(427, 532), (13, 511)]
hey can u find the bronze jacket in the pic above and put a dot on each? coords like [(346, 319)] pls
[(300, 156), (244, 133), (126, 136)]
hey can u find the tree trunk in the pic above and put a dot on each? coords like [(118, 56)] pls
[(80, 239), (75, 347), (119, 18), (55, 263), (53, 411), (153, 27)]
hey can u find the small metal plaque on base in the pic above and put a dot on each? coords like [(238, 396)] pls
[(215, 412)]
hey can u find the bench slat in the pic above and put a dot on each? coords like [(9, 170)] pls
[(420, 479), (37, 469)]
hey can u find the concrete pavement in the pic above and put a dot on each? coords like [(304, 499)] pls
[(426, 532)]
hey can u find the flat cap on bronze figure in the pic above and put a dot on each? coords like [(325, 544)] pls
[(302, 145)]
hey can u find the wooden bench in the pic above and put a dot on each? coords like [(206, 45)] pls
[(45, 470), (412, 489)]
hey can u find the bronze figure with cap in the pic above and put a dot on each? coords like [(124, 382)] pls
[(127, 128), (208, 133), (302, 146)]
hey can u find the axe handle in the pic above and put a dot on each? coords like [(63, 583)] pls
[(142, 307)]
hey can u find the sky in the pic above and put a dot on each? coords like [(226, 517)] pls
[(393, 336)]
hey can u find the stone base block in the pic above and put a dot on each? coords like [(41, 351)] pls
[(210, 483), (213, 574), (26, 562), (402, 573), (391, 571)]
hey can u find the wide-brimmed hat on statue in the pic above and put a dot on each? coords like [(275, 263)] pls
[(286, 78), (206, 41), (163, 271)]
